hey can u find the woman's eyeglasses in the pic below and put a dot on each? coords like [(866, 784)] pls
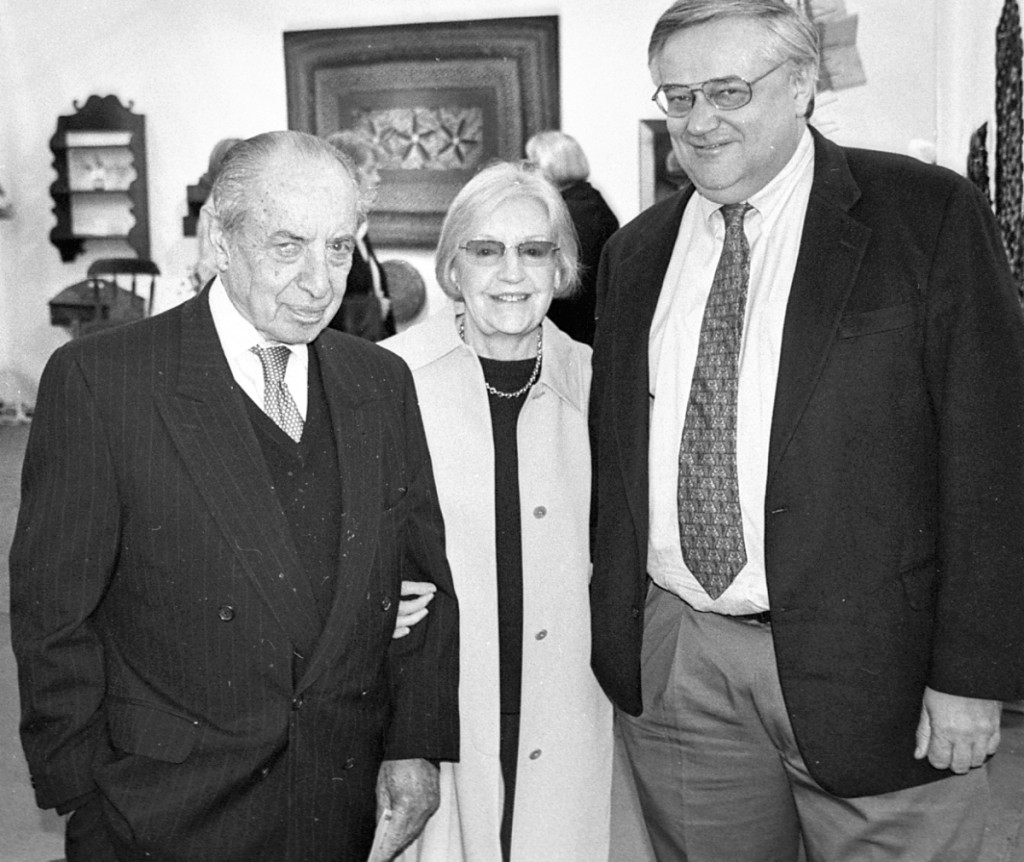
[(490, 252)]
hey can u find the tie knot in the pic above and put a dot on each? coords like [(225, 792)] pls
[(734, 214), (275, 361)]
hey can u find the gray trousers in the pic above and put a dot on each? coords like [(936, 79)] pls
[(719, 775)]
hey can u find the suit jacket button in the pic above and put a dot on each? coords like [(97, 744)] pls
[(349, 763), (634, 612), (226, 613), (297, 702), (385, 604)]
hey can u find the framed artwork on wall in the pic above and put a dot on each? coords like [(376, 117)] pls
[(660, 174), (438, 100)]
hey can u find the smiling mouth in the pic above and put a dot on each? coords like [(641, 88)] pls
[(511, 297), (710, 148), (309, 313)]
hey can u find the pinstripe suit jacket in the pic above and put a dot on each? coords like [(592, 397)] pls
[(159, 606)]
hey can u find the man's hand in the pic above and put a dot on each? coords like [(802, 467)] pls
[(956, 732), (410, 790)]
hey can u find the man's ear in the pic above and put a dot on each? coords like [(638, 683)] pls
[(802, 86), (218, 239)]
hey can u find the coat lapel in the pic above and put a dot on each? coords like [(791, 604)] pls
[(831, 251), (642, 272), (207, 420)]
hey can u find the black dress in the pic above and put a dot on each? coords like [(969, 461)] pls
[(508, 376)]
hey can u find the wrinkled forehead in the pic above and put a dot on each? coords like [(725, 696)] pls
[(305, 198)]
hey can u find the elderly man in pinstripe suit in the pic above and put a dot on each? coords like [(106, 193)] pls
[(218, 507)]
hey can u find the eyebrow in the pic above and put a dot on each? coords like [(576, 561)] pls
[(287, 235)]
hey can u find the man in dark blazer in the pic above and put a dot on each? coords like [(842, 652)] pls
[(207, 564), (839, 684)]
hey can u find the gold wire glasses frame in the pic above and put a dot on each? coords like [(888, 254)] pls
[(490, 252), (726, 94)]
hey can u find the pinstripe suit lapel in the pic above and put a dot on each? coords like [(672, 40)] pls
[(356, 423), (206, 418)]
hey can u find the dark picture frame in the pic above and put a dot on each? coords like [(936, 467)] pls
[(660, 173), (439, 100)]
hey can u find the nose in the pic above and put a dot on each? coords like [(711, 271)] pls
[(314, 277), (703, 115), (511, 265)]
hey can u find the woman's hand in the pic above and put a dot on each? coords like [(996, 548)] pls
[(416, 595)]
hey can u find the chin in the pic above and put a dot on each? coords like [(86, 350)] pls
[(719, 190)]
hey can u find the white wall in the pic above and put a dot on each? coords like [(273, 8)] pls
[(202, 70), (965, 76)]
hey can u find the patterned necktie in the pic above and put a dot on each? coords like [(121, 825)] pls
[(278, 403), (710, 521)]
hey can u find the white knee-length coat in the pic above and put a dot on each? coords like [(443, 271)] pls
[(565, 744)]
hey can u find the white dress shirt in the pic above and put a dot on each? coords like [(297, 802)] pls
[(773, 228), (237, 338)]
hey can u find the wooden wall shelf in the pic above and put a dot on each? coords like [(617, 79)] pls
[(100, 193)]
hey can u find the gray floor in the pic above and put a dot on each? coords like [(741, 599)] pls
[(30, 835), (26, 833)]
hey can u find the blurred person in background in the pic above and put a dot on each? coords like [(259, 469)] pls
[(563, 161), (205, 266), (366, 308)]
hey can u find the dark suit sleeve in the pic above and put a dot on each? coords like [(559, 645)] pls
[(597, 385), (423, 666), (64, 550), (974, 355)]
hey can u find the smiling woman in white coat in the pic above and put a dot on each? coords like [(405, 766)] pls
[(503, 393)]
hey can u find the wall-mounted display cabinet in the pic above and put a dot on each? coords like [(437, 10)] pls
[(99, 153)]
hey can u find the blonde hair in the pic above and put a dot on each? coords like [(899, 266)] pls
[(559, 156)]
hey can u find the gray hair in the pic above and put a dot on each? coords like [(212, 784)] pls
[(489, 189), (795, 38), (559, 156), (245, 164)]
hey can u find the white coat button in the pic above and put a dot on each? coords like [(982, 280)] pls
[(543, 633), (535, 754), (539, 512)]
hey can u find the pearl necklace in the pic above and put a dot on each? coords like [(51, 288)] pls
[(533, 376)]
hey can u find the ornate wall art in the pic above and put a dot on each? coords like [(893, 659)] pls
[(439, 101)]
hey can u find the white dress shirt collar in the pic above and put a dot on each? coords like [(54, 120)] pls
[(237, 338)]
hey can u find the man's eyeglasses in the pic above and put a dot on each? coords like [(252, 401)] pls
[(726, 94), (490, 252)]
